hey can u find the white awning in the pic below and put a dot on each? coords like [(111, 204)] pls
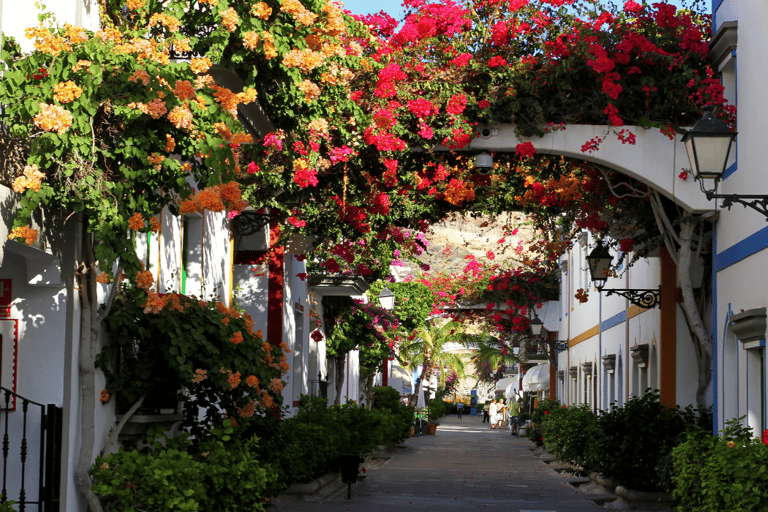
[(502, 384), (537, 378), (511, 390)]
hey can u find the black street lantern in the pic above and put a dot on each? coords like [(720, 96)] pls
[(708, 145), (387, 299), (599, 263), (536, 325)]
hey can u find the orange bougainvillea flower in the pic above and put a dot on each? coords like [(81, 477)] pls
[(104, 396), (136, 222), (29, 235), (252, 381), (103, 278), (154, 303), (65, 92), (276, 386), (199, 376), (53, 118), (237, 338), (144, 279), (155, 223), (200, 65), (266, 400), (233, 379), (248, 410), (31, 179), (181, 117)]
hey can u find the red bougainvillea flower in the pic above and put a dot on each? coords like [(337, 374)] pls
[(525, 150), (627, 245), (765, 436), (317, 336)]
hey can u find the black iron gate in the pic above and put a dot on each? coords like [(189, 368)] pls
[(49, 465)]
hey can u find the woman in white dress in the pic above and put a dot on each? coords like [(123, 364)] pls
[(493, 410)]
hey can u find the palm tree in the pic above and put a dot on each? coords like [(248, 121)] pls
[(492, 353), (425, 347)]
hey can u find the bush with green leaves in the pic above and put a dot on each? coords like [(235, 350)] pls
[(387, 399), (539, 417), (162, 478), (353, 429), (637, 437), (222, 472), (727, 472), (570, 434), (7, 506), (437, 409)]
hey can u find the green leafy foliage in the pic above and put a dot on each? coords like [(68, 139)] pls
[(635, 438), (190, 349), (222, 473), (726, 472), (388, 400), (569, 434)]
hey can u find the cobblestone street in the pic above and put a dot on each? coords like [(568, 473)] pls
[(466, 465)]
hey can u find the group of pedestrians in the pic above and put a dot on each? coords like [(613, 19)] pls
[(498, 414)]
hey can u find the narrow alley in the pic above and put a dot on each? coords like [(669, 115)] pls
[(465, 465)]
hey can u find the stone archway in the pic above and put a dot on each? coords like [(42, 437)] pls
[(654, 159)]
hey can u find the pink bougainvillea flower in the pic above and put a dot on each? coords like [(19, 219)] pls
[(296, 222)]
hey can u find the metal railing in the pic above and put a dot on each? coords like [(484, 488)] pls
[(49, 465)]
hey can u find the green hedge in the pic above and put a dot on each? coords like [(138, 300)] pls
[(722, 473), (570, 434), (631, 444), (237, 467)]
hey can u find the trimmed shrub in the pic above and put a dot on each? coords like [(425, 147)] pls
[(722, 473), (570, 434), (636, 438)]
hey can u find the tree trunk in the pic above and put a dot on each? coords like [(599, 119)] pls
[(701, 337), (89, 338), (369, 391)]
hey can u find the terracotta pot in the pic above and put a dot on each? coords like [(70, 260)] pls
[(431, 429)]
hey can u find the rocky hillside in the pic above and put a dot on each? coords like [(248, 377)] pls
[(457, 237)]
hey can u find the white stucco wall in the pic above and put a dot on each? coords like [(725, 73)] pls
[(741, 253)]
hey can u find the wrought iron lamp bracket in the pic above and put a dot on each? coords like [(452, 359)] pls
[(250, 222), (759, 203), (646, 299)]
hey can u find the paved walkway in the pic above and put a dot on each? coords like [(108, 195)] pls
[(465, 466)]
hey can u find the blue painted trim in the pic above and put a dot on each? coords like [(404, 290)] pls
[(741, 250), (613, 321), (715, 6), (732, 169)]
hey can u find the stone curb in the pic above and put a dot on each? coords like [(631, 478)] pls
[(313, 486), (642, 496)]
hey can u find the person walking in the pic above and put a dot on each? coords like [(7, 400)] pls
[(502, 413), (514, 412), (486, 414), (460, 409), (493, 410)]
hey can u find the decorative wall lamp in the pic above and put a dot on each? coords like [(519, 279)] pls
[(536, 326), (599, 261), (708, 145)]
